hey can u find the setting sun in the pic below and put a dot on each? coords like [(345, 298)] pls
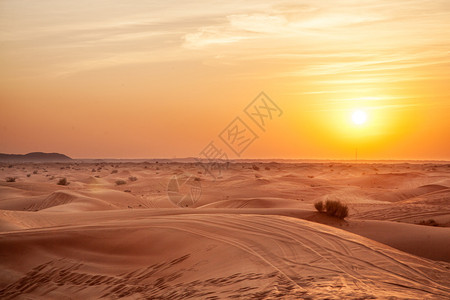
[(359, 117)]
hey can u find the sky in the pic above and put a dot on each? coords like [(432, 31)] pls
[(166, 79)]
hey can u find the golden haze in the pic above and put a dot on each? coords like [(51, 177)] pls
[(124, 80)]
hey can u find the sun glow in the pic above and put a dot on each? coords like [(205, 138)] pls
[(359, 117)]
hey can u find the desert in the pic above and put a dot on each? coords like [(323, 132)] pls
[(253, 233), (226, 149)]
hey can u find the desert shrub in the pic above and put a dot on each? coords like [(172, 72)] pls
[(336, 209), (429, 222), (197, 179), (120, 182), (10, 179), (132, 178), (62, 181), (319, 206), (114, 171), (332, 208), (28, 175), (255, 167), (35, 172), (342, 211)]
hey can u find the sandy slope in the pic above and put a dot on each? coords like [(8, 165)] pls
[(252, 234), (212, 255)]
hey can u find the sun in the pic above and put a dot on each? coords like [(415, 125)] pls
[(359, 117)]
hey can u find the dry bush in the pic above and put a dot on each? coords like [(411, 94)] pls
[(319, 206), (332, 208), (62, 181), (255, 167), (336, 209), (132, 178), (120, 182), (10, 179)]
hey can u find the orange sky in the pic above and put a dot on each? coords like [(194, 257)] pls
[(143, 79)]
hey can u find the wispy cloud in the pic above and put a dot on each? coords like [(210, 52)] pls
[(305, 39)]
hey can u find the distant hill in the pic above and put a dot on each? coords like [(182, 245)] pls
[(34, 156)]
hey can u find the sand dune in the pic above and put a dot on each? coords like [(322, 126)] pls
[(253, 234), (409, 193), (221, 255)]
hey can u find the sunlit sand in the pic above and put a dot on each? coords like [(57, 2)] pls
[(254, 233)]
